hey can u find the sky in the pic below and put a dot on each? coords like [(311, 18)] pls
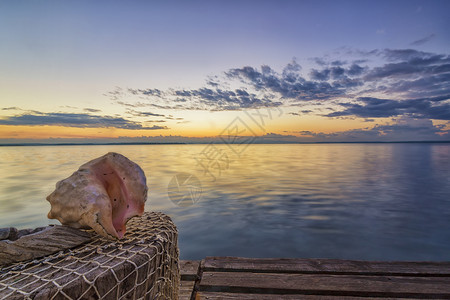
[(202, 71)]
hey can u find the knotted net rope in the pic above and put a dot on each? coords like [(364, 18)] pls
[(143, 265)]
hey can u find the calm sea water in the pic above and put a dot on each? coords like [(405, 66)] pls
[(352, 201)]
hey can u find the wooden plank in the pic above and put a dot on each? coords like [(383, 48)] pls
[(320, 284), (239, 296), (189, 269), (326, 266), (189, 277), (186, 289)]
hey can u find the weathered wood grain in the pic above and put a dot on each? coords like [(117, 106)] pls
[(326, 266), (322, 284), (241, 296), (281, 278), (186, 289), (189, 269), (44, 242)]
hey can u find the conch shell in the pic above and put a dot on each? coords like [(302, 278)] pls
[(103, 195)]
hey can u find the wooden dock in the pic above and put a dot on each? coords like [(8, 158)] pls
[(274, 278)]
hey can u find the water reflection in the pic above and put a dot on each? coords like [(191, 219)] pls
[(356, 201)]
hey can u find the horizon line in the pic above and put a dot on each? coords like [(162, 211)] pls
[(204, 143)]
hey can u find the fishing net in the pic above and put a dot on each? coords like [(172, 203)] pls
[(143, 265)]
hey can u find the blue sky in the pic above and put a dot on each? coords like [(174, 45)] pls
[(98, 64)]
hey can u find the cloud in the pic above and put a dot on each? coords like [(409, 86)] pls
[(401, 129), (355, 70), (339, 74), (170, 117), (369, 107), (290, 84), (409, 65), (11, 108), (319, 61), (424, 77), (205, 98), (320, 75), (143, 113), (271, 137), (260, 88), (75, 120), (220, 99), (147, 92), (300, 113), (378, 83), (424, 40), (92, 110), (400, 54), (409, 74)]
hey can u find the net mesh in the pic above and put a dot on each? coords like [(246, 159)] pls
[(143, 265)]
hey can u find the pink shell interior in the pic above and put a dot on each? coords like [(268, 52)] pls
[(122, 204)]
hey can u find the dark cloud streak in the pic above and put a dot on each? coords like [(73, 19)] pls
[(92, 110), (75, 120), (370, 107), (424, 40)]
